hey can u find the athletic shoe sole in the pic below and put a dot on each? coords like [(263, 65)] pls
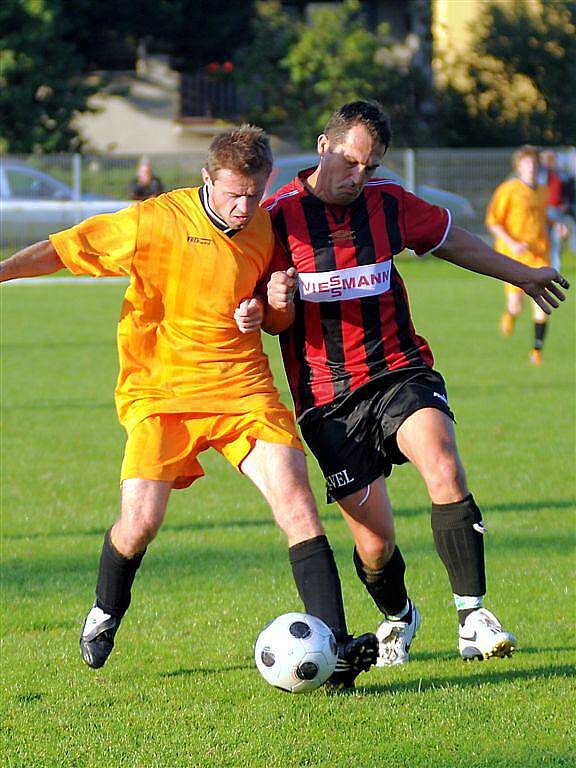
[(502, 649)]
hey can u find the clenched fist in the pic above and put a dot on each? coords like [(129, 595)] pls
[(281, 288), (249, 315)]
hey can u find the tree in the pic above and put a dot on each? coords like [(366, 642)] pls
[(519, 81), (41, 79), (258, 66), (315, 67)]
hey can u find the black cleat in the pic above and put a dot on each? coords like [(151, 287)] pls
[(97, 637), (355, 655)]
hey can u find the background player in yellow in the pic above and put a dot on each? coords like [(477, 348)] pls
[(517, 218), (193, 375)]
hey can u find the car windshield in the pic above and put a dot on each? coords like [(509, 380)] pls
[(24, 183)]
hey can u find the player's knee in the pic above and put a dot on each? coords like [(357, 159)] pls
[(133, 535), (446, 476), (376, 553)]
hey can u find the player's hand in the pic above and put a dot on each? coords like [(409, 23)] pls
[(281, 288), (561, 230), (519, 248), (543, 287), (249, 315)]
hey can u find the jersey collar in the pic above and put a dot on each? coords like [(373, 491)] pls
[(212, 215)]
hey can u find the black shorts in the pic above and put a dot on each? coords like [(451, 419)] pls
[(355, 441)]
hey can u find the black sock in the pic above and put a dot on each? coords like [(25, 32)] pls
[(318, 583), (459, 541), (386, 585), (539, 334), (115, 577)]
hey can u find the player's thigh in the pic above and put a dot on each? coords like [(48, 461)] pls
[(278, 471), (514, 299), (427, 438), (144, 500)]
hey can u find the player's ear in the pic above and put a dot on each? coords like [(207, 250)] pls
[(322, 144), (206, 178)]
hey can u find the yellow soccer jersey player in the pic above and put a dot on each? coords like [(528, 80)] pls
[(521, 210), (517, 218), (179, 346)]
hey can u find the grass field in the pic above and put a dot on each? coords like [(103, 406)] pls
[(181, 688)]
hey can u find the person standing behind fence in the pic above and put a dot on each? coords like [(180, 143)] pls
[(557, 205), (145, 184), (517, 218)]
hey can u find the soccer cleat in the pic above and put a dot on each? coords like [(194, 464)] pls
[(507, 322), (482, 637), (395, 639), (536, 357), (355, 655), (97, 637)]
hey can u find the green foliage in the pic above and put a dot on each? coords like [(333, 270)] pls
[(519, 81), (258, 65), (316, 67), (41, 79)]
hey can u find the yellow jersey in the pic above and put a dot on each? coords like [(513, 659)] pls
[(521, 210), (179, 347)]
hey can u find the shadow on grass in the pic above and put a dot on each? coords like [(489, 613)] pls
[(189, 671), (426, 656), (474, 679), (327, 516)]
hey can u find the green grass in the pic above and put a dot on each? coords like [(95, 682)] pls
[(181, 688)]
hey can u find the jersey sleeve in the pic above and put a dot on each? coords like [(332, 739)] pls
[(497, 210), (279, 262), (101, 246), (426, 226)]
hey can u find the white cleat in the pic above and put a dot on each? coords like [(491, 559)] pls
[(482, 637), (395, 639)]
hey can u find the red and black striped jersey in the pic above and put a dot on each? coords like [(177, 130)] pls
[(353, 321)]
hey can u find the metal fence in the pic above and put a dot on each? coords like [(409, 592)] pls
[(40, 194)]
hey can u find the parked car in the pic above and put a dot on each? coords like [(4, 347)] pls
[(34, 204), (285, 168)]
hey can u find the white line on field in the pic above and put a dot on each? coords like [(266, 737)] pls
[(66, 281)]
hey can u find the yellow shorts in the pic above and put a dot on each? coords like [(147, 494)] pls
[(165, 446), (530, 261)]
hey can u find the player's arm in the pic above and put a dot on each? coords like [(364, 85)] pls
[(32, 261), (280, 311), (466, 250)]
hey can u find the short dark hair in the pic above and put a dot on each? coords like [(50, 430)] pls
[(245, 150), (370, 114)]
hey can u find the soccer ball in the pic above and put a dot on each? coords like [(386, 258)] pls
[(296, 652)]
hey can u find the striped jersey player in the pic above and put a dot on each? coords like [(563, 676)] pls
[(363, 383)]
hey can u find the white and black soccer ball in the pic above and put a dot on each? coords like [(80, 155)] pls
[(296, 652)]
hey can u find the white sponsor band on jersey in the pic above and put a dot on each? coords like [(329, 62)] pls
[(343, 284)]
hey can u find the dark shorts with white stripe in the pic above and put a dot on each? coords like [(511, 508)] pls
[(354, 441)]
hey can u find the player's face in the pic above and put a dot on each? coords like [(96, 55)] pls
[(527, 169), (346, 166), (233, 196)]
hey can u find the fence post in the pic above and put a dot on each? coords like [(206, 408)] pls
[(410, 170), (77, 176)]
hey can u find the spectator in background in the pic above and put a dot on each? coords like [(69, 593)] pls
[(557, 204), (517, 217), (145, 184)]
